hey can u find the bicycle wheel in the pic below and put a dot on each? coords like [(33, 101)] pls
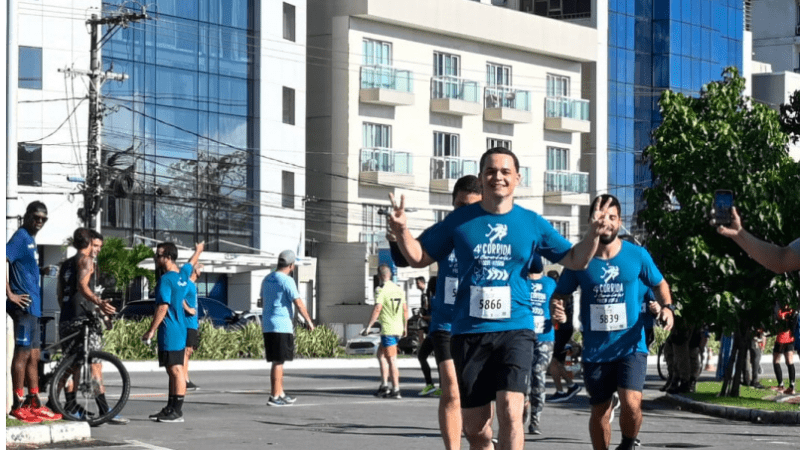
[(76, 390), (662, 371)]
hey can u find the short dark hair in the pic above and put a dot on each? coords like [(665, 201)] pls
[(96, 235), (169, 250), (469, 184), (81, 238), (602, 199), (498, 151), (35, 206)]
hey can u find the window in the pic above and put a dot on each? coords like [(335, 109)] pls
[(288, 105), (373, 227), (287, 191), (30, 68), (445, 144), (376, 135), (445, 64), (288, 22), (29, 165), (498, 75), (557, 158), (557, 86), (561, 226), (440, 214), (376, 53), (494, 142)]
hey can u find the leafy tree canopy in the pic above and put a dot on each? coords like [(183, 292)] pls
[(720, 140), (123, 263)]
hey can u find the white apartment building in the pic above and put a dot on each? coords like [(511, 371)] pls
[(212, 84), (776, 34), (404, 97)]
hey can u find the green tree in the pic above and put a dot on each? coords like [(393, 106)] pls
[(122, 264), (721, 140)]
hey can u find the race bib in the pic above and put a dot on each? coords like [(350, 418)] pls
[(611, 317), (538, 324), (450, 290), (490, 302)]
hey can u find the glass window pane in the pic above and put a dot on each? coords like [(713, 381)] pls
[(30, 67)]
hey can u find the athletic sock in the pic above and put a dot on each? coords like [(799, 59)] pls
[(171, 401), (102, 404), (71, 403), (791, 374), (178, 405), (778, 373)]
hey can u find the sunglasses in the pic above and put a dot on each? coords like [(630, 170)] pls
[(42, 219)]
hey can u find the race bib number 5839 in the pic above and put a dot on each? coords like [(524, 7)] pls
[(490, 302), (610, 317)]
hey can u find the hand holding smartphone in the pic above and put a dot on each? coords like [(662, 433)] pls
[(723, 204)]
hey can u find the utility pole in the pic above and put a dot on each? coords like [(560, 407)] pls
[(92, 188)]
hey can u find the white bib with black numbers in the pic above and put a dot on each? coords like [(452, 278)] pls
[(538, 324), (609, 317), (450, 290), (490, 302)]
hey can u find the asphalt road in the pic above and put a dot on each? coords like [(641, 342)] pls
[(336, 410)]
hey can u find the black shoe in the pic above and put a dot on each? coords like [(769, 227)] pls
[(171, 416), (667, 385), (191, 386), (163, 412), (757, 385), (681, 387), (382, 391), (395, 394), (692, 387), (533, 428)]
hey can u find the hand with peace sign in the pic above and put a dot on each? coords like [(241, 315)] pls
[(397, 219), (601, 221), (398, 226)]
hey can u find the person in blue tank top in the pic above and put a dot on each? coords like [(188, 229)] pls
[(466, 191), (492, 326), (170, 321), (614, 351), (541, 289)]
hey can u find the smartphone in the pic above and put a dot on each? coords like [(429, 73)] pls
[(723, 203)]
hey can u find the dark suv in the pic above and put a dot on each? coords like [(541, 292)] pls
[(217, 312)]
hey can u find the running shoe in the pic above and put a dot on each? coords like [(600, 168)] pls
[(163, 412), (395, 394), (277, 401), (118, 420), (25, 415), (382, 391), (533, 428), (288, 399), (428, 390), (171, 416), (560, 397), (44, 413), (790, 390), (437, 392), (614, 406), (191, 386)]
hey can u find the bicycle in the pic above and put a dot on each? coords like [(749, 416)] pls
[(73, 373)]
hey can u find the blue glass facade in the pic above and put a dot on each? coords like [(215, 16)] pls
[(655, 45), (184, 126)]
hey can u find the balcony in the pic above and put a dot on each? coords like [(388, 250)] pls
[(456, 96), (375, 239), (566, 188), (384, 166), (381, 85), (505, 104), (446, 170), (567, 114)]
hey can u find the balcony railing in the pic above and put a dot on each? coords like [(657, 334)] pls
[(387, 78), (567, 107), (506, 97), (564, 181), (452, 167), (378, 159), (454, 88)]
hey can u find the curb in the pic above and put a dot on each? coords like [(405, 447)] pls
[(59, 431), (736, 413)]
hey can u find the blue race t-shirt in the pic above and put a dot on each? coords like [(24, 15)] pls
[(493, 253), (278, 293), (541, 292), (171, 289), (191, 296), (23, 271), (611, 302)]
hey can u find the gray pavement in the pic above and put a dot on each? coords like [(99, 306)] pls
[(336, 410)]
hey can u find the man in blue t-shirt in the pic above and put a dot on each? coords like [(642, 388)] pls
[(492, 326), (279, 296), (466, 191), (170, 321), (614, 351), (24, 305), (541, 289)]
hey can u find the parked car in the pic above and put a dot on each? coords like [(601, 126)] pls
[(217, 312), (364, 345)]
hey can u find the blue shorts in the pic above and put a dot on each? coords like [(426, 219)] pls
[(603, 379), (27, 332), (389, 340)]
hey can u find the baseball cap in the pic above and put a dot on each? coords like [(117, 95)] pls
[(286, 258)]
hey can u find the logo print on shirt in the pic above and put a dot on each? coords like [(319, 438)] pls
[(537, 288), (609, 273), (497, 232), (492, 274)]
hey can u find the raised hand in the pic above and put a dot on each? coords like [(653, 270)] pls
[(599, 219), (735, 227), (397, 220)]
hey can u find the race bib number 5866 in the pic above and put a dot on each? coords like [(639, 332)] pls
[(490, 302)]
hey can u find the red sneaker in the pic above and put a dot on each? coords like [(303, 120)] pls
[(26, 415), (44, 413)]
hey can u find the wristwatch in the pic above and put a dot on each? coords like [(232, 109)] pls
[(670, 307)]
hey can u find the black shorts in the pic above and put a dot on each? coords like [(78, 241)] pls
[(562, 336), (279, 347), (441, 346), (603, 379), (192, 338), (783, 348), (490, 362), (168, 358)]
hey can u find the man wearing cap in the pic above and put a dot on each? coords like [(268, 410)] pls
[(279, 295)]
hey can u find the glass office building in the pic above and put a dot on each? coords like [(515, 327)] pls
[(180, 134), (655, 45)]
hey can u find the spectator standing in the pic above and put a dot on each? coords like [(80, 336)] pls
[(541, 288), (280, 296), (786, 318), (191, 270)]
